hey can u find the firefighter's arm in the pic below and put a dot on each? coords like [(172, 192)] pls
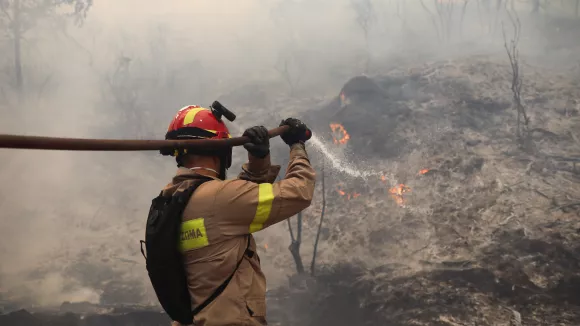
[(259, 170), (246, 207)]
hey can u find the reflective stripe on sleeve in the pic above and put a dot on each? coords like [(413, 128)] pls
[(193, 235), (265, 198)]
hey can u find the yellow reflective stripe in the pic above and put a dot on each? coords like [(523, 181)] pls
[(265, 198), (191, 115), (215, 132), (193, 235)]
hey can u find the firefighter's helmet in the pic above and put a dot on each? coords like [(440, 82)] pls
[(195, 122)]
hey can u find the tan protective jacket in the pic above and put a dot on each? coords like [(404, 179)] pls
[(216, 223)]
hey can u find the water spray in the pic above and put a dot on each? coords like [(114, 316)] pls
[(340, 165)]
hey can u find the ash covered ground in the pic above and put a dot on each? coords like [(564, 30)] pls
[(485, 232), (435, 213)]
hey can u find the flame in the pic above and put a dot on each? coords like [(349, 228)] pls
[(397, 193), (265, 246), (349, 196), (337, 128), (423, 171)]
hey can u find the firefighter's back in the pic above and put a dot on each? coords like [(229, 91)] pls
[(212, 247)]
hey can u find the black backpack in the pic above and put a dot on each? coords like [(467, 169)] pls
[(164, 260)]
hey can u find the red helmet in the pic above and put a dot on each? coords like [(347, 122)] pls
[(195, 122)]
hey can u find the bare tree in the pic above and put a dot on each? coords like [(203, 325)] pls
[(287, 68), (19, 16), (433, 20), (295, 243), (463, 10), (492, 15), (365, 17), (443, 17), (522, 128), (445, 14)]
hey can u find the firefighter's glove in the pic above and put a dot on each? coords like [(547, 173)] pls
[(259, 145), (297, 133)]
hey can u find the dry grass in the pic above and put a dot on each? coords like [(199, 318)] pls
[(486, 227)]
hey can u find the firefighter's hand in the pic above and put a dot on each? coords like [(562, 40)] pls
[(297, 133), (259, 145)]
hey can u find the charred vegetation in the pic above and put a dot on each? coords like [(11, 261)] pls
[(448, 165)]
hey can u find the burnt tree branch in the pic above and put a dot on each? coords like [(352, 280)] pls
[(511, 47), (433, 19), (295, 242), (295, 246)]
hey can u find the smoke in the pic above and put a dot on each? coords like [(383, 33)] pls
[(54, 288), (127, 70)]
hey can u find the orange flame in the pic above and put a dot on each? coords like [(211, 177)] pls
[(265, 246), (397, 193), (337, 128), (423, 171), (349, 196)]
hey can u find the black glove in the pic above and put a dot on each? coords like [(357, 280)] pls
[(260, 142), (297, 133)]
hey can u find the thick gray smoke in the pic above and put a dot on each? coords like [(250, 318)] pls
[(71, 221)]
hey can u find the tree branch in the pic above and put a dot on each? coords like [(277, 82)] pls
[(522, 130), (433, 19), (295, 247)]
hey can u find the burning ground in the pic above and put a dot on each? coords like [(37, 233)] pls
[(453, 223)]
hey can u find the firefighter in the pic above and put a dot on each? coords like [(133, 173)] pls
[(221, 215)]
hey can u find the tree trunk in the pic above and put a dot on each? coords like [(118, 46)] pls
[(17, 31), (295, 246), (295, 251)]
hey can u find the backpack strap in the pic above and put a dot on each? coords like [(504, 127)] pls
[(248, 252), (181, 199)]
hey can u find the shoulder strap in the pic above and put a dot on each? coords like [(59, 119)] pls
[(223, 286), (179, 200)]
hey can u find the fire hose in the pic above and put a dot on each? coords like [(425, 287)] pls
[(80, 144)]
